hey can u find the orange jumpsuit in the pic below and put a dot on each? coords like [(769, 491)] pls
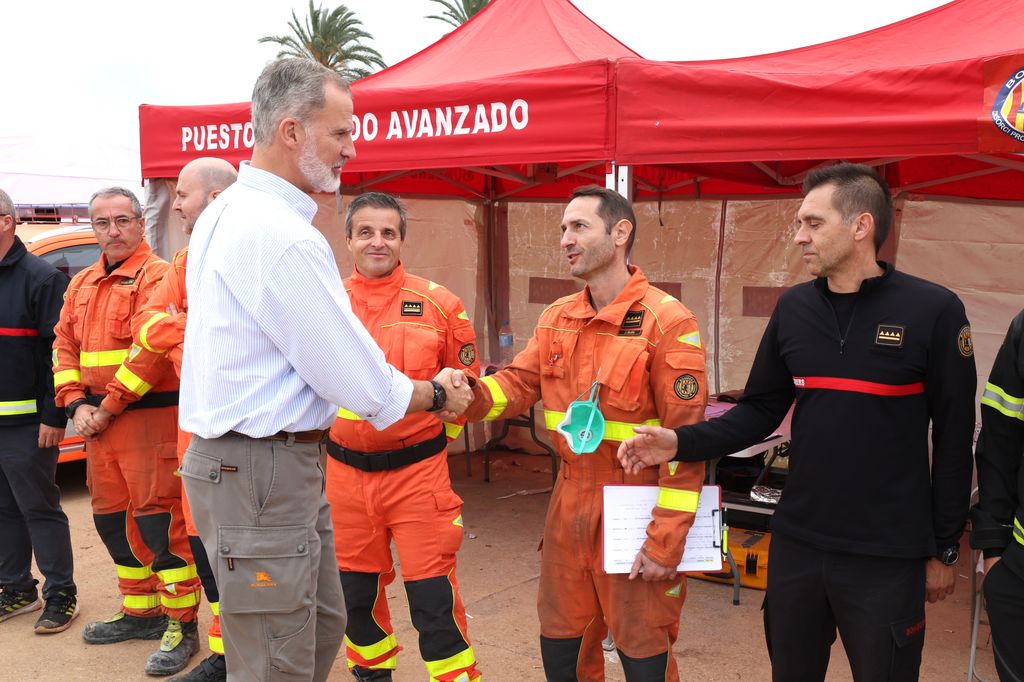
[(157, 331), (421, 327), (644, 348), (136, 498)]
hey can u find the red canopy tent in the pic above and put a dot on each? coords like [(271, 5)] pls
[(935, 100), (508, 104)]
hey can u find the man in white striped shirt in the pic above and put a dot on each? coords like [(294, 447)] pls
[(269, 327)]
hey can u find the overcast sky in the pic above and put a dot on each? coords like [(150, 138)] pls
[(75, 72)]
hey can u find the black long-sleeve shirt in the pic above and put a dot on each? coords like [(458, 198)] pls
[(859, 478), (31, 296), (998, 518)]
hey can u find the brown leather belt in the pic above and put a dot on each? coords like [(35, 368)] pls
[(314, 436)]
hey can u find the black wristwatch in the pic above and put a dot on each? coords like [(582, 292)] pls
[(948, 555), (440, 397), (73, 407)]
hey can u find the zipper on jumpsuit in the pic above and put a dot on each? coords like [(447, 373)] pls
[(839, 330)]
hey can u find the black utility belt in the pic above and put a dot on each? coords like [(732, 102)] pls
[(146, 402), (386, 460)]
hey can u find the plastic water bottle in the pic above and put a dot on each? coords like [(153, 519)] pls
[(505, 342)]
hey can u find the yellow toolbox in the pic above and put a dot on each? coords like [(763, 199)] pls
[(749, 549)]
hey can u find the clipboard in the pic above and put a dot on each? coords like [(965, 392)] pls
[(627, 513)]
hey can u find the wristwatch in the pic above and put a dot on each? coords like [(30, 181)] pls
[(440, 397), (73, 407), (948, 555)]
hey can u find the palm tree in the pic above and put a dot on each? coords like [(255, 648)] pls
[(458, 12), (332, 38)]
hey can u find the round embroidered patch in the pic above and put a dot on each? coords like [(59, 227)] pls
[(964, 341), (467, 354), (686, 386)]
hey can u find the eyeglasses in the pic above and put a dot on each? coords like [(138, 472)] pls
[(122, 222)]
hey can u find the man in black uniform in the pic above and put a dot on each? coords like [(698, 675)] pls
[(31, 426), (864, 531), (998, 519)]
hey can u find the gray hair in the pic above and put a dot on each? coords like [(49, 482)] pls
[(376, 200), (118, 192), (289, 88), (7, 206)]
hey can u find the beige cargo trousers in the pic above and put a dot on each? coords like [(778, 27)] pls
[(260, 510)]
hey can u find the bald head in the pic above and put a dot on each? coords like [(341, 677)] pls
[(199, 183)]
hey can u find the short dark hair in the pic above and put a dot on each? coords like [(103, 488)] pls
[(859, 189), (612, 207), (375, 200)]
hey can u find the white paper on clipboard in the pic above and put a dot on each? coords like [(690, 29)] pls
[(627, 512)]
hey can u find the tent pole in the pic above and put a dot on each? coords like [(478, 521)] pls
[(498, 279), (717, 322)]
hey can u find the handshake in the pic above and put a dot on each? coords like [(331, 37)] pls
[(457, 390)]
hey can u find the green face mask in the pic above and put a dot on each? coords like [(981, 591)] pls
[(583, 424)]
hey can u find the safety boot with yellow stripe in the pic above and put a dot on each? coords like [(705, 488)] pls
[(121, 627), (179, 644)]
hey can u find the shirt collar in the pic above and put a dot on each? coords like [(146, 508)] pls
[(615, 311), (15, 253), (266, 181)]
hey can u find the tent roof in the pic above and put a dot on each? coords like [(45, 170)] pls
[(514, 102), (920, 98)]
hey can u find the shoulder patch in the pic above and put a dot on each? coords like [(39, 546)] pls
[(686, 386), (964, 341), (467, 354), (412, 308), (690, 339)]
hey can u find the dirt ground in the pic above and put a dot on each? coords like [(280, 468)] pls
[(498, 571)]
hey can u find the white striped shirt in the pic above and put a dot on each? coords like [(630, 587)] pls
[(271, 342)]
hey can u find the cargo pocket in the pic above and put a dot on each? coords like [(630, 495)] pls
[(291, 652), (196, 465), (418, 347), (119, 312), (908, 641), (449, 522), (624, 376), (267, 569)]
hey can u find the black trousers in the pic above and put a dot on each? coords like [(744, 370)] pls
[(1004, 601), (31, 518), (877, 604)]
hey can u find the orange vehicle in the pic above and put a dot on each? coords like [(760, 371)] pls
[(70, 250)]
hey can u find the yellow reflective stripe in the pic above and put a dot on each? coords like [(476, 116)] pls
[(178, 575), (144, 332), (691, 339), (180, 602), (1018, 531), (134, 572), (17, 407), (66, 376), (216, 645), (1003, 402), (498, 399), (132, 381), (141, 601), (452, 431), (215, 607), (615, 432), (464, 659), (678, 500), (102, 358), (372, 651), (345, 414)]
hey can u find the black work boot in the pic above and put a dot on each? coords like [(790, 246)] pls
[(179, 644), (367, 675), (121, 627), (211, 669)]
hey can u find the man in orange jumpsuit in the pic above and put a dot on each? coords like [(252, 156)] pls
[(160, 328), (393, 484), (131, 428), (636, 352)]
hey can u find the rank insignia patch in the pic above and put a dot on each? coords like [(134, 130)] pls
[(889, 335), (467, 354), (686, 386), (632, 323), (964, 341), (412, 308)]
